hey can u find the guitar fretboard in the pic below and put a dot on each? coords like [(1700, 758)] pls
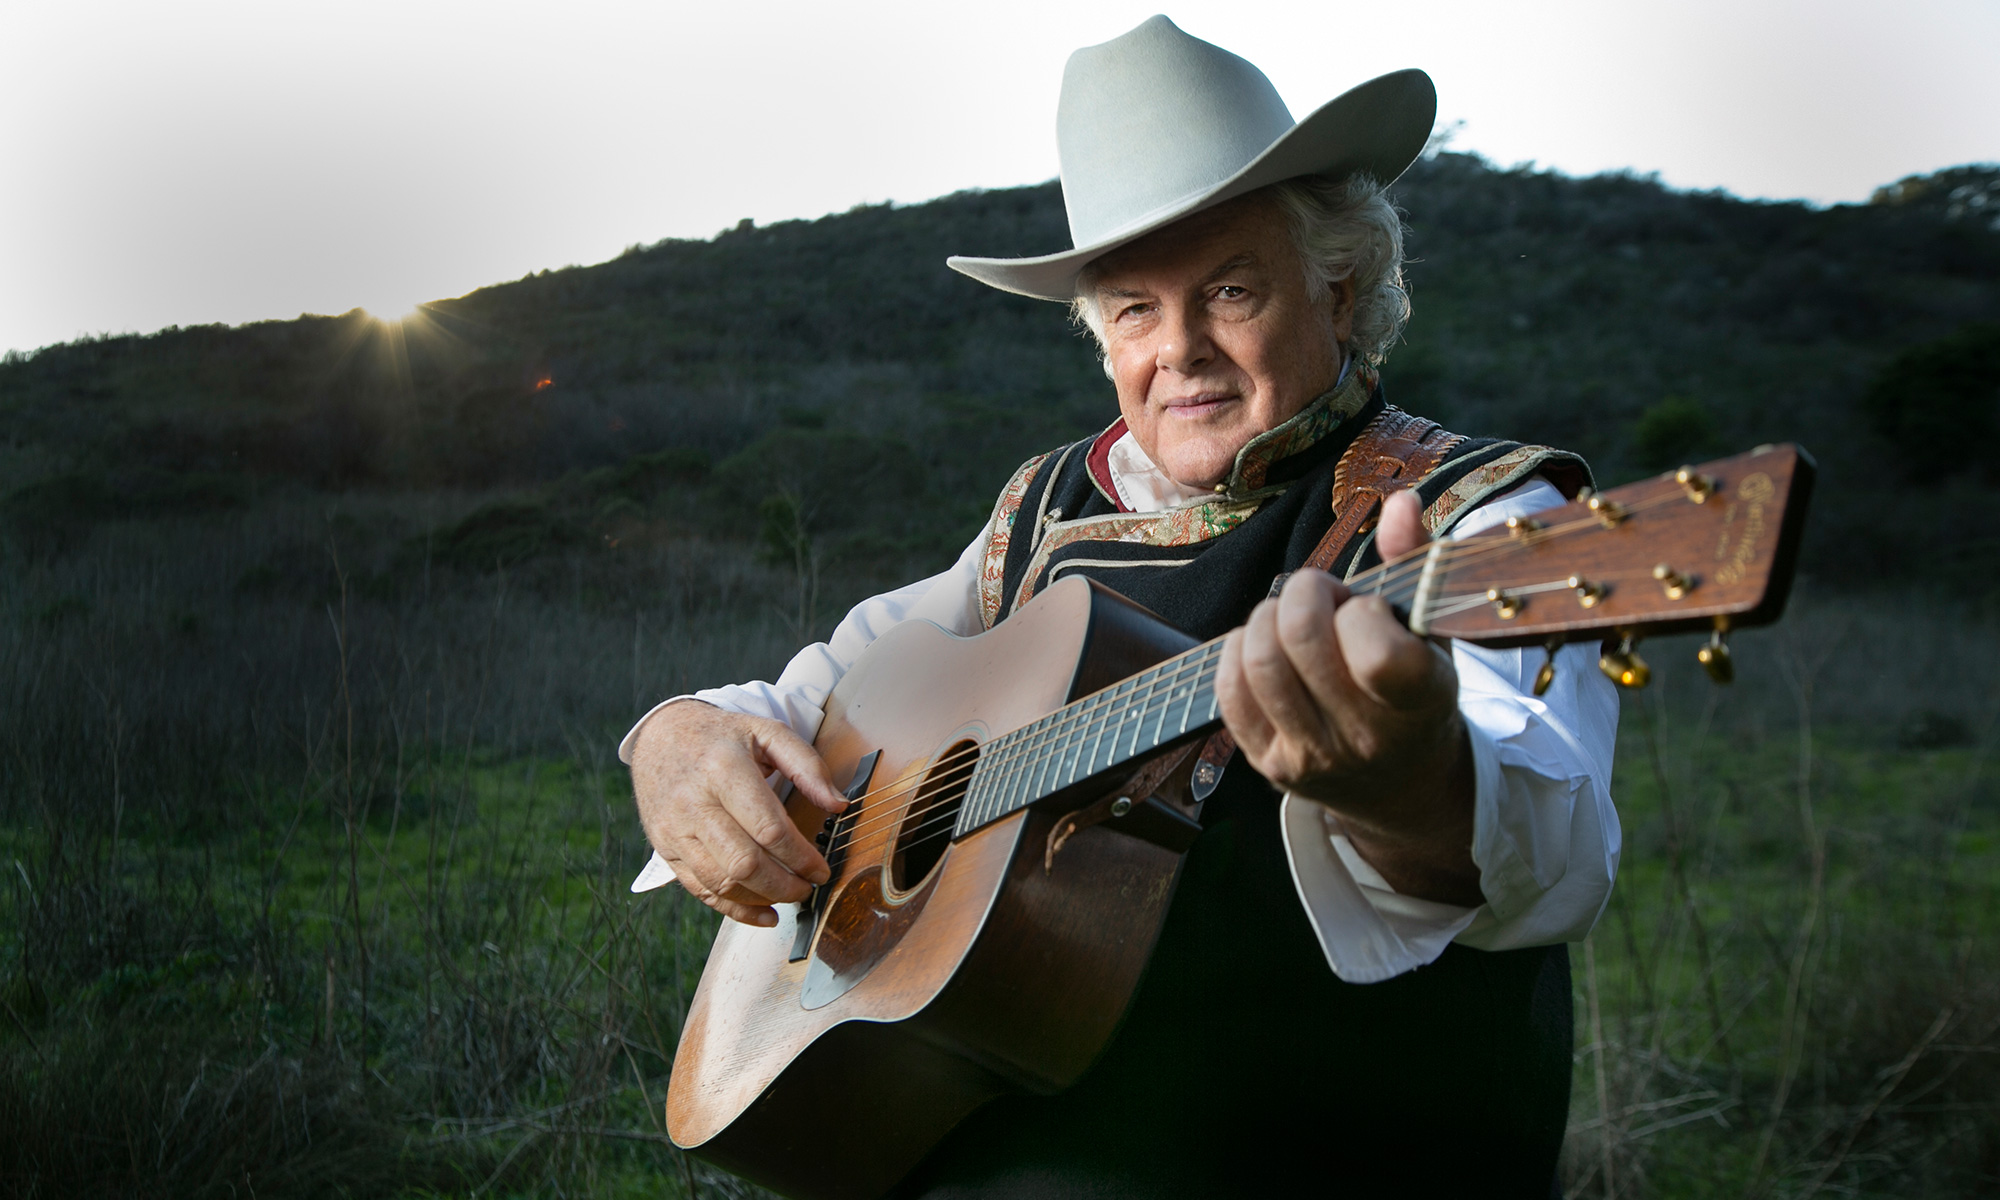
[(1104, 729)]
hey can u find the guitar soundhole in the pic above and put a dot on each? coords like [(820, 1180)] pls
[(925, 831)]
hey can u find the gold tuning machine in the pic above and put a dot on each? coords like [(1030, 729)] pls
[(1608, 512), (1523, 528), (1714, 658), (1672, 582), (1624, 665), (1507, 604), (1698, 487), (1547, 675), (1587, 593)]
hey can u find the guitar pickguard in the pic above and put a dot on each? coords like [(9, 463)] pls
[(858, 929)]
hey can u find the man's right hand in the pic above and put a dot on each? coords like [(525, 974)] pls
[(698, 773)]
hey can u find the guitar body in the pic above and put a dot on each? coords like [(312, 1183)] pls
[(941, 972)]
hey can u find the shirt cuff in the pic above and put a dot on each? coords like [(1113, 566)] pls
[(1369, 930), (655, 874)]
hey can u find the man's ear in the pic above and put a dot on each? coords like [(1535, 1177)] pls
[(1340, 308)]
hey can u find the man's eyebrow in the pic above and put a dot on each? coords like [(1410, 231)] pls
[(1233, 265)]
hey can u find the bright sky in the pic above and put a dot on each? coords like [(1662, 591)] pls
[(171, 162)]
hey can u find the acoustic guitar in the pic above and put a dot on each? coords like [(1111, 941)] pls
[(1021, 801)]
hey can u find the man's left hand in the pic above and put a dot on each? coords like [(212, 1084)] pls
[(1332, 699)]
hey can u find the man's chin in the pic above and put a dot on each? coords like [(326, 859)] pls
[(1202, 471)]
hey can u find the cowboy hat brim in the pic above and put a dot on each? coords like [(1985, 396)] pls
[(1379, 128)]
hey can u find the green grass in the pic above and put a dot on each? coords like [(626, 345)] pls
[(1794, 990), (503, 1023), (467, 984)]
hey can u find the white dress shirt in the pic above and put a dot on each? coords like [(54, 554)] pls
[(1545, 834)]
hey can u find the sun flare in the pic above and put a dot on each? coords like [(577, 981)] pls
[(391, 314)]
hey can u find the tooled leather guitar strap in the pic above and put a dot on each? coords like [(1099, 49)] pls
[(1394, 452)]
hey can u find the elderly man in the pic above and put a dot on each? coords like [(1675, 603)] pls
[(1361, 985)]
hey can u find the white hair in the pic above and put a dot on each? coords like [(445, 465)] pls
[(1343, 229)]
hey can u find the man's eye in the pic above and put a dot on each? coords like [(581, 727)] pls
[(1134, 310), (1230, 291)]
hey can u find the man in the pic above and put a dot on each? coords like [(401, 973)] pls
[(1407, 816)]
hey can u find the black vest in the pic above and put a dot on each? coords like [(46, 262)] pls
[(1245, 1066)]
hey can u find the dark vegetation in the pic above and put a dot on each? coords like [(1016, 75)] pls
[(316, 638)]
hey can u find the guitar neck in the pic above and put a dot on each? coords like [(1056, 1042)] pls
[(1129, 720), (1709, 548)]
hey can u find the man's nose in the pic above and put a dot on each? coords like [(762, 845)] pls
[(1184, 345)]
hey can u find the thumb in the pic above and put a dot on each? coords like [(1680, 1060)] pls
[(1402, 526), (797, 761)]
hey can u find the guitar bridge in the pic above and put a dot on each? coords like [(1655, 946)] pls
[(812, 906)]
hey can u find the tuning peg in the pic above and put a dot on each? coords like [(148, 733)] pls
[(1547, 675), (1624, 665), (1608, 512), (1698, 487), (1672, 582), (1714, 658)]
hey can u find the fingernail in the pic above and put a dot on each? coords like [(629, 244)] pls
[(767, 919), (818, 876)]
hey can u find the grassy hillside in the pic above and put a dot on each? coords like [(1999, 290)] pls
[(1609, 315), (316, 637)]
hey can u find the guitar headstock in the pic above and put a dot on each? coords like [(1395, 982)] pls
[(1704, 548)]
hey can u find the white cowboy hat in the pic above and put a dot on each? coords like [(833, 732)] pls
[(1155, 125)]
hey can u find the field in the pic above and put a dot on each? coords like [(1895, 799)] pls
[(316, 644), (324, 894)]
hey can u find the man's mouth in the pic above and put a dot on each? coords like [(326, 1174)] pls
[(1199, 405)]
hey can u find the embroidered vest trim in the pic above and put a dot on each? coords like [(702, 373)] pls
[(1469, 472), (1236, 498)]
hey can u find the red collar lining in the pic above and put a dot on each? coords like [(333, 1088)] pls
[(1099, 463)]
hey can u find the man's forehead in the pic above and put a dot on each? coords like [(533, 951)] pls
[(1240, 234)]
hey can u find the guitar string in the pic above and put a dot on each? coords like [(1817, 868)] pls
[(929, 828), (903, 811), (1193, 662), (1080, 724), (946, 822), (1463, 601), (1403, 565), (924, 823), (950, 819), (1377, 580), (1195, 673), (1067, 725), (1458, 602)]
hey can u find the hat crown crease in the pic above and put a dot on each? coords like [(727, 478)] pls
[(1152, 118)]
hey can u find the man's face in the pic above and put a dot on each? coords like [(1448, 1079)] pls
[(1213, 336)]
